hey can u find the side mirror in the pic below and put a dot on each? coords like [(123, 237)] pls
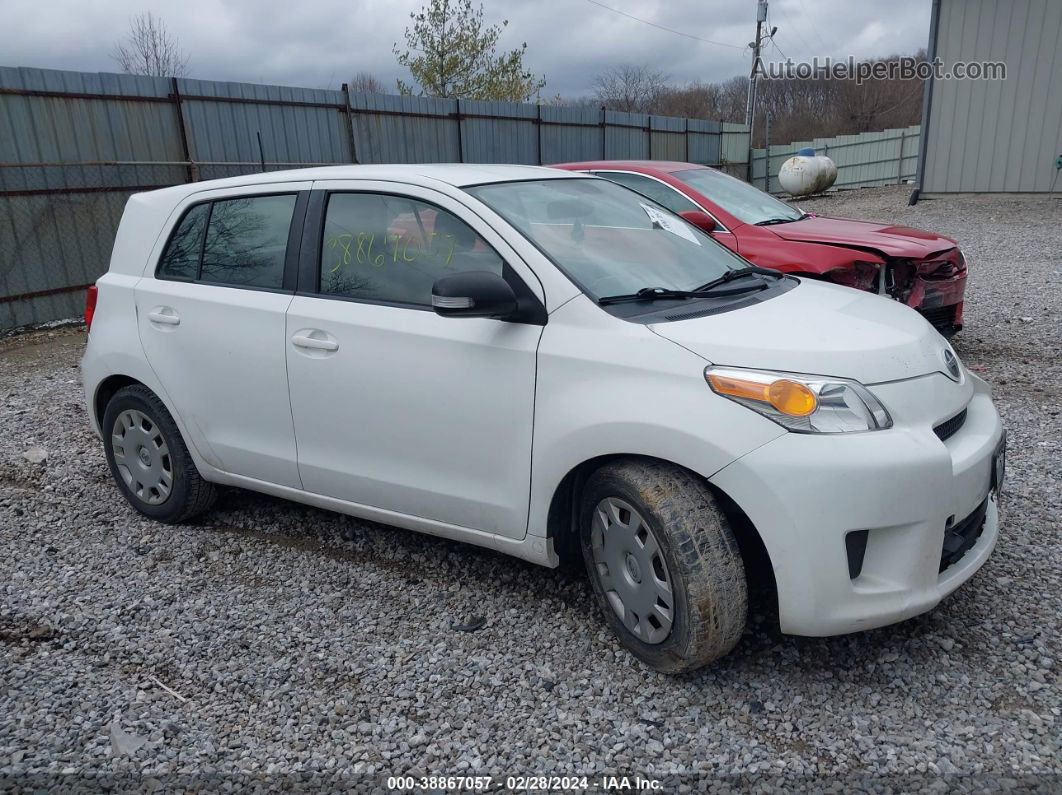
[(700, 219), (473, 294)]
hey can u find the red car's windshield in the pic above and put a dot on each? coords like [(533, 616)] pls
[(738, 198)]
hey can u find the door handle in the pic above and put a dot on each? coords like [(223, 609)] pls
[(313, 343), (164, 316)]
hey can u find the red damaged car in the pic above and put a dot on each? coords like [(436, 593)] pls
[(922, 269)]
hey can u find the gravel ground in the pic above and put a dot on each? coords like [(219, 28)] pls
[(305, 648)]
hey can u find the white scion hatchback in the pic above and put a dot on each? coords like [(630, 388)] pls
[(534, 361)]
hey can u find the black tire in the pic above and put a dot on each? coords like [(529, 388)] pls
[(190, 494), (701, 555)]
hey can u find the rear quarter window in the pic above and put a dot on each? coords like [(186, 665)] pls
[(180, 260)]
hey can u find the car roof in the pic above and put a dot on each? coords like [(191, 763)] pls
[(666, 166), (455, 174)]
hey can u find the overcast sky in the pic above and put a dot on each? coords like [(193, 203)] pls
[(322, 43)]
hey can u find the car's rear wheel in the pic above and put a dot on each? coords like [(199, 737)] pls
[(664, 563), (149, 460)]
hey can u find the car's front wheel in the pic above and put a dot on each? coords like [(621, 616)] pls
[(664, 563), (149, 460)]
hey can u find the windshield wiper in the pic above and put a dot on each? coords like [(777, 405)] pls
[(666, 293), (772, 221), (648, 294), (729, 276)]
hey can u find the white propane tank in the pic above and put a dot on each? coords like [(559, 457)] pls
[(806, 173)]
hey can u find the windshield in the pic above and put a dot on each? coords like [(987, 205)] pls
[(738, 198), (607, 238)]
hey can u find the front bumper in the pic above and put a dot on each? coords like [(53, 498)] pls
[(905, 486)]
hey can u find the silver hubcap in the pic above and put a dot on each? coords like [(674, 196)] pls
[(142, 457), (631, 570)]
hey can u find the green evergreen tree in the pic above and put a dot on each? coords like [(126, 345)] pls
[(451, 52)]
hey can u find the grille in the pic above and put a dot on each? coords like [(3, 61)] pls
[(941, 316), (961, 536), (949, 428)]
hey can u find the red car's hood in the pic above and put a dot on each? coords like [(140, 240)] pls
[(893, 241)]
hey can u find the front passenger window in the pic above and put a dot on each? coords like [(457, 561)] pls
[(391, 249)]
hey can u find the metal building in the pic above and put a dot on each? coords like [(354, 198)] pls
[(993, 135)]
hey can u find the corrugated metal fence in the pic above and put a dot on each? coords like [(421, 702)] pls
[(874, 158), (74, 146)]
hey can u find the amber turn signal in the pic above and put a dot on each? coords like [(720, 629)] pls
[(788, 397), (792, 398)]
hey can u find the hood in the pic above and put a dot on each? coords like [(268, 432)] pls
[(821, 329), (893, 241)]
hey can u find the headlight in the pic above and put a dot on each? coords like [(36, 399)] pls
[(802, 403), (860, 275)]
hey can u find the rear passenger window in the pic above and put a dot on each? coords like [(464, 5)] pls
[(181, 258), (392, 249), (246, 241)]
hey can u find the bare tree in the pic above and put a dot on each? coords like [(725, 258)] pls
[(732, 97), (805, 109), (696, 100), (368, 83), (877, 104), (801, 109), (150, 49), (635, 89)]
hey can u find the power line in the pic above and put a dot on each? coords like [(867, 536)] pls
[(795, 28), (661, 27), (811, 26), (770, 36), (779, 48)]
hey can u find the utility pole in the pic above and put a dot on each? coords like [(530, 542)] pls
[(750, 106)]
